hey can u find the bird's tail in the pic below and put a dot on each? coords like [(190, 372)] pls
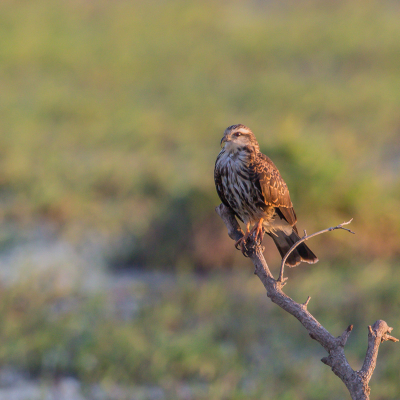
[(301, 253)]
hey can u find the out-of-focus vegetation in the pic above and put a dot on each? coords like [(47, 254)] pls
[(111, 113), (193, 338)]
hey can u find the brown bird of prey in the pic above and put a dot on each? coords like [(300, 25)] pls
[(249, 183)]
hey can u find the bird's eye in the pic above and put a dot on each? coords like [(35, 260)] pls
[(237, 133)]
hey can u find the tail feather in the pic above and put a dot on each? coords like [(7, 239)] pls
[(301, 253)]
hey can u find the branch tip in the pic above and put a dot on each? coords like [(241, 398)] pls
[(377, 334), (340, 226), (386, 335), (390, 338), (342, 339), (305, 237)]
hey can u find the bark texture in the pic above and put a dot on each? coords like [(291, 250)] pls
[(355, 381)]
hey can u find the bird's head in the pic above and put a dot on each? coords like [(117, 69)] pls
[(237, 137)]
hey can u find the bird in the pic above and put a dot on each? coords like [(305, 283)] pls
[(249, 184)]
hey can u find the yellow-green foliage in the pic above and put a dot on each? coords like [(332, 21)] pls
[(111, 112)]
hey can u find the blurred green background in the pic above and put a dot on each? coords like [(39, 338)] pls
[(116, 271)]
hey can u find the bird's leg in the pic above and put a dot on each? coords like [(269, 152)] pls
[(258, 230), (242, 241)]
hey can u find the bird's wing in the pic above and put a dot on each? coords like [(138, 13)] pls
[(273, 188)]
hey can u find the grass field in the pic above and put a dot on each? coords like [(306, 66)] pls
[(199, 337), (111, 115)]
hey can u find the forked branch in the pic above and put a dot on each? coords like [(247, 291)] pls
[(355, 381)]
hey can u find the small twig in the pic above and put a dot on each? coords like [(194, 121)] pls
[(305, 304), (304, 238), (345, 335), (390, 338)]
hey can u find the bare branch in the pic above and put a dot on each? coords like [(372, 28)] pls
[(305, 237), (355, 381), (377, 334), (234, 230)]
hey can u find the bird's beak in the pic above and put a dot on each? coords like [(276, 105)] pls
[(224, 140)]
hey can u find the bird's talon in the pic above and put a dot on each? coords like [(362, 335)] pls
[(242, 243)]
